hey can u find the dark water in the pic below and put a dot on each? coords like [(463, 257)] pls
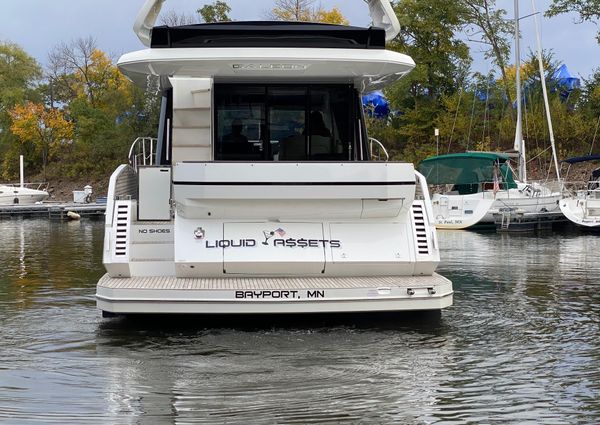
[(520, 345)]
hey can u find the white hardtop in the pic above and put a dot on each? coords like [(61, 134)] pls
[(366, 69)]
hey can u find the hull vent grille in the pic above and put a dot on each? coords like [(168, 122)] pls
[(121, 229), (420, 229)]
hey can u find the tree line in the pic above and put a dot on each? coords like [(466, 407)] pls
[(77, 116)]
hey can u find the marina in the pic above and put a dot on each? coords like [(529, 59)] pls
[(294, 222), (519, 345), (521, 221), (54, 211)]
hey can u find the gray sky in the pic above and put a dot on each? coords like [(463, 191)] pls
[(38, 25)]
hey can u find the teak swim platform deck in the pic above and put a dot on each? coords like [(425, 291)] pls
[(238, 295)]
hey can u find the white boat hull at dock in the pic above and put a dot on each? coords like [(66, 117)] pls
[(459, 212), (583, 211), (17, 195)]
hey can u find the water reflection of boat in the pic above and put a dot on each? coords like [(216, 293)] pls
[(216, 217), (582, 205)]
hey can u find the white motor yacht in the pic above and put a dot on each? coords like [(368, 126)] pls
[(23, 193), (259, 194), (14, 194)]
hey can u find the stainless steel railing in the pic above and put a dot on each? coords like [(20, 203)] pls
[(375, 144), (142, 152)]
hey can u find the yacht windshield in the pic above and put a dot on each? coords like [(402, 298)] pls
[(285, 122)]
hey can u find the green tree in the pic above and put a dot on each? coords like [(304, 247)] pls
[(215, 12), (429, 33), (588, 10), (487, 25), (107, 109), (19, 74), (19, 77)]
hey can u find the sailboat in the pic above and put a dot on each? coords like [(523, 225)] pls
[(473, 181)]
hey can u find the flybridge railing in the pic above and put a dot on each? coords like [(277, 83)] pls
[(376, 149), (142, 152)]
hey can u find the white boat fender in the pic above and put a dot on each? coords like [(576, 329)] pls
[(73, 215)]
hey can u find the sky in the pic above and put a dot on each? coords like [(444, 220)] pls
[(39, 25)]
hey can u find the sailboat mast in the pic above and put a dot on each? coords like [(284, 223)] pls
[(519, 129), (544, 90)]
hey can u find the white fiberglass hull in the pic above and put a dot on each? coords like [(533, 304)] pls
[(13, 195), (454, 211), (523, 200), (457, 212), (329, 247), (583, 211)]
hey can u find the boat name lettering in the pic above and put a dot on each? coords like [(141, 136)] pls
[(307, 243), (289, 243), (446, 221), (277, 294), (227, 243)]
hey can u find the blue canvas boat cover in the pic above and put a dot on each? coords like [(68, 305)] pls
[(564, 78), (577, 159), (376, 103)]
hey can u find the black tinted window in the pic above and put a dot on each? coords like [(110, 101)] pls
[(284, 123)]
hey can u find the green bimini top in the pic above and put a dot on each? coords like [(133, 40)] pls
[(467, 170)]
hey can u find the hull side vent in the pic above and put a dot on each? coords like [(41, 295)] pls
[(420, 229), (121, 240)]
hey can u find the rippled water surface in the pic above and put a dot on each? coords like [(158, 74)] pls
[(521, 344)]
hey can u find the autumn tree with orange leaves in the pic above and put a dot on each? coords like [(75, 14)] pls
[(45, 128)]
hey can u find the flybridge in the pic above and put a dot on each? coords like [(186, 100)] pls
[(268, 34)]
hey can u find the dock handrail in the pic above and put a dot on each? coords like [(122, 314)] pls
[(142, 152), (373, 141)]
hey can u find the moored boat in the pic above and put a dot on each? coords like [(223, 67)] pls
[(23, 193), (259, 194), (582, 204), (15, 194)]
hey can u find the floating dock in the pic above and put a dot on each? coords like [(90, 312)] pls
[(54, 211), (519, 221)]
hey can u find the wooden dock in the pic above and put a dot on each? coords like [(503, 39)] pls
[(53, 211)]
